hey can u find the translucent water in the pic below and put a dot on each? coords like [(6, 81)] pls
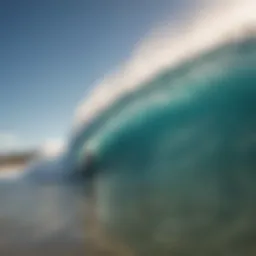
[(175, 158)]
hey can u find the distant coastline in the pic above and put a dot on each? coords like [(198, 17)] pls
[(12, 161)]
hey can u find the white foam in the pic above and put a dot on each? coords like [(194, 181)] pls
[(11, 172), (52, 148), (207, 27)]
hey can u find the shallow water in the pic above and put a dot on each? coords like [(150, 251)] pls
[(35, 218)]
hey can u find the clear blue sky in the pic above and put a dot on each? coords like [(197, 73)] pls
[(51, 51)]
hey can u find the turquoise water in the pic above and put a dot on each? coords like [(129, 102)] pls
[(174, 160), (171, 171)]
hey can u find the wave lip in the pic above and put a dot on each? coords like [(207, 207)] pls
[(168, 48)]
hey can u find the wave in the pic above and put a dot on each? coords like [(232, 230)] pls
[(169, 87), (175, 158), (167, 47), (165, 50)]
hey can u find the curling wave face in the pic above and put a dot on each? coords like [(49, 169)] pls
[(176, 158)]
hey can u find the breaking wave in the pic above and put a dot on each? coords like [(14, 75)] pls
[(172, 135)]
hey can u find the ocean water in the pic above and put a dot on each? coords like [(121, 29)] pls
[(173, 166), (166, 169)]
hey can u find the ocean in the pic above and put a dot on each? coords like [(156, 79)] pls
[(166, 167), (173, 162)]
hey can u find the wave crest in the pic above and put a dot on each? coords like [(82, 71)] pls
[(167, 47)]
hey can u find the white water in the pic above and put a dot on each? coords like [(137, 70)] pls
[(210, 25)]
